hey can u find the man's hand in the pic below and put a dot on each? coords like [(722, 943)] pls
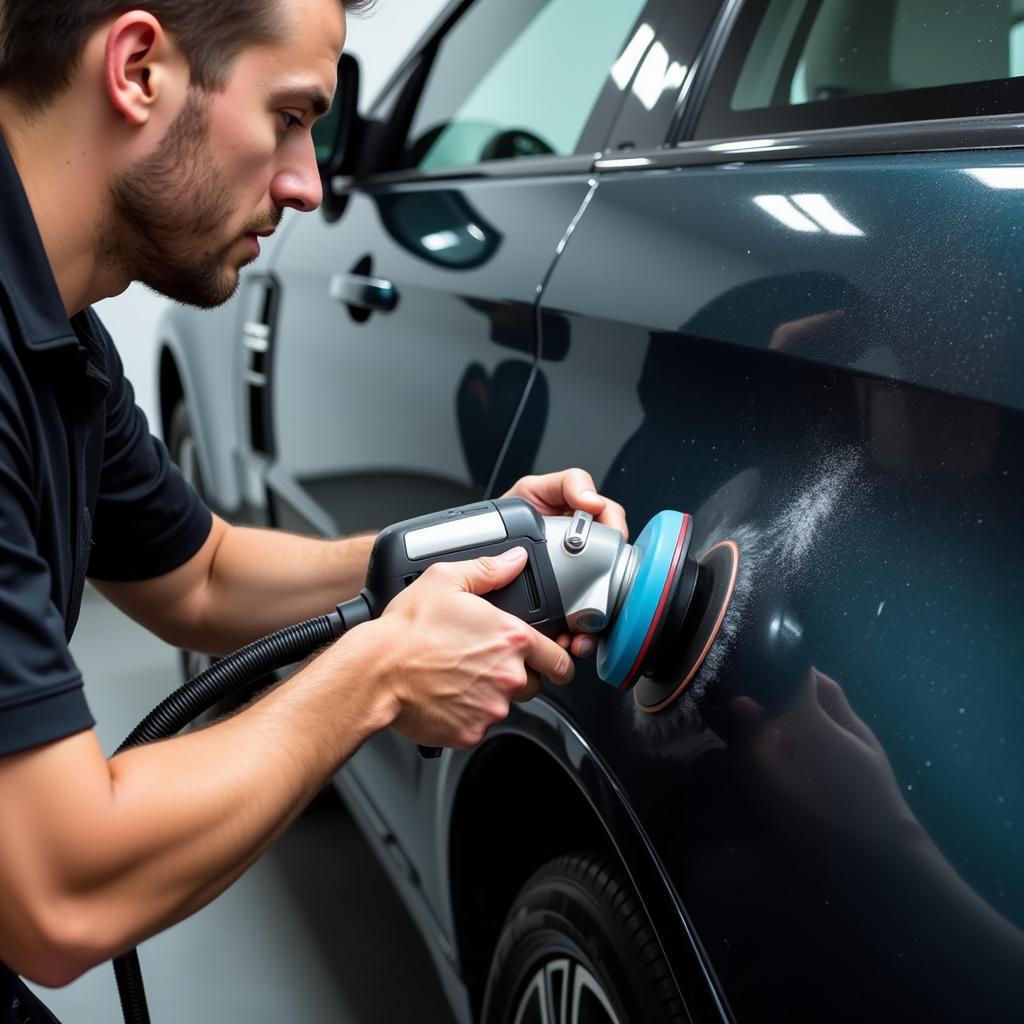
[(820, 767), (561, 494), (455, 662)]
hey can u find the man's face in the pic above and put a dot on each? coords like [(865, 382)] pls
[(186, 217)]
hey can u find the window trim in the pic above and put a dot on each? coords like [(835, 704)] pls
[(535, 166), (1001, 131), (704, 67)]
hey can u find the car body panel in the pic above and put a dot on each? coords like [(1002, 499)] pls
[(858, 432), (426, 392), (812, 342)]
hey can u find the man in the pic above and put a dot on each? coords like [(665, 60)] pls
[(158, 143)]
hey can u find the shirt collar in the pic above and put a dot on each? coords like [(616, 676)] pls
[(25, 274)]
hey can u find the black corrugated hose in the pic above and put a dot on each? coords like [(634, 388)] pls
[(170, 716)]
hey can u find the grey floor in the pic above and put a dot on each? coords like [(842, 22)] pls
[(312, 932)]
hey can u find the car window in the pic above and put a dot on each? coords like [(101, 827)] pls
[(651, 72), (517, 80), (799, 64)]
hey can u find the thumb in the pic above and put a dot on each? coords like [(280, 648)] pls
[(482, 575)]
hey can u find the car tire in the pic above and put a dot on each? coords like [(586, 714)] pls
[(577, 948)]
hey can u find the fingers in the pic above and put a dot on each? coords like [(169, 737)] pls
[(604, 510), (534, 685), (583, 646), (553, 493), (546, 657), (793, 334), (571, 489), (833, 699), (577, 491), (614, 515), (482, 575), (746, 710), (579, 645)]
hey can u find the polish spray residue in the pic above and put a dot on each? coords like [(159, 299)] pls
[(793, 533), (799, 526)]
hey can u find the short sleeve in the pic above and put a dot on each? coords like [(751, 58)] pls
[(41, 696), (148, 519)]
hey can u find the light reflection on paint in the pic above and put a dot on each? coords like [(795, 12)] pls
[(789, 629), (657, 76), (786, 213), (998, 177), (808, 212), (821, 210), (623, 68)]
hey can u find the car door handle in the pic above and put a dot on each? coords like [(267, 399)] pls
[(364, 292)]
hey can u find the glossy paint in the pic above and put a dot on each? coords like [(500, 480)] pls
[(385, 413), (837, 798), (819, 355)]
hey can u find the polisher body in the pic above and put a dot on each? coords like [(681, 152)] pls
[(580, 577)]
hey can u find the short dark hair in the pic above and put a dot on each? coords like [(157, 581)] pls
[(41, 41)]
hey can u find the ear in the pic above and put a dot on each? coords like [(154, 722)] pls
[(140, 64)]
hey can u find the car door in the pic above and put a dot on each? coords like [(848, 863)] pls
[(804, 323), (405, 331)]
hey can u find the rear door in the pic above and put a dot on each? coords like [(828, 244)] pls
[(406, 333), (805, 324)]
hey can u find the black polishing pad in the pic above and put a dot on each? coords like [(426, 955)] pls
[(684, 649)]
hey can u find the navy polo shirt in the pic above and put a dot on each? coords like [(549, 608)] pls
[(85, 490)]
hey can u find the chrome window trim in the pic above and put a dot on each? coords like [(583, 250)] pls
[(525, 167), (1005, 131)]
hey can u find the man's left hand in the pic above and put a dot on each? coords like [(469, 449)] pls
[(561, 494)]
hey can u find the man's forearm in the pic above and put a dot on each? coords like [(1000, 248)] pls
[(242, 584), (263, 580), (121, 850)]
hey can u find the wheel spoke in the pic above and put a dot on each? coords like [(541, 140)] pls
[(556, 989), (563, 991), (532, 1007), (589, 1004)]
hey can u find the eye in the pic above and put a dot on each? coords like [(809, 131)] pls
[(290, 120)]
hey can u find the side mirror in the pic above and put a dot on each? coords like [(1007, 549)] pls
[(336, 137)]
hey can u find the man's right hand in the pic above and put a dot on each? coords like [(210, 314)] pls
[(454, 662)]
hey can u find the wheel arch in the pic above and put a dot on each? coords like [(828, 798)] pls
[(187, 370), (523, 799)]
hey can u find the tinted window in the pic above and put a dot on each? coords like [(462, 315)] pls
[(517, 79), (797, 64)]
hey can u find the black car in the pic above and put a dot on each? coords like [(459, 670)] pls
[(761, 261)]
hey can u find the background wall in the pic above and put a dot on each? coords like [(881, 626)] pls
[(379, 39)]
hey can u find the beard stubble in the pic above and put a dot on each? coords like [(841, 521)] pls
[(165, 209)]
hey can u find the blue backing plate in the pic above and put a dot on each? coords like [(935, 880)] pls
[(618, 650)]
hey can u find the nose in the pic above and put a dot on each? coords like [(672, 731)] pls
[(297, 183)]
